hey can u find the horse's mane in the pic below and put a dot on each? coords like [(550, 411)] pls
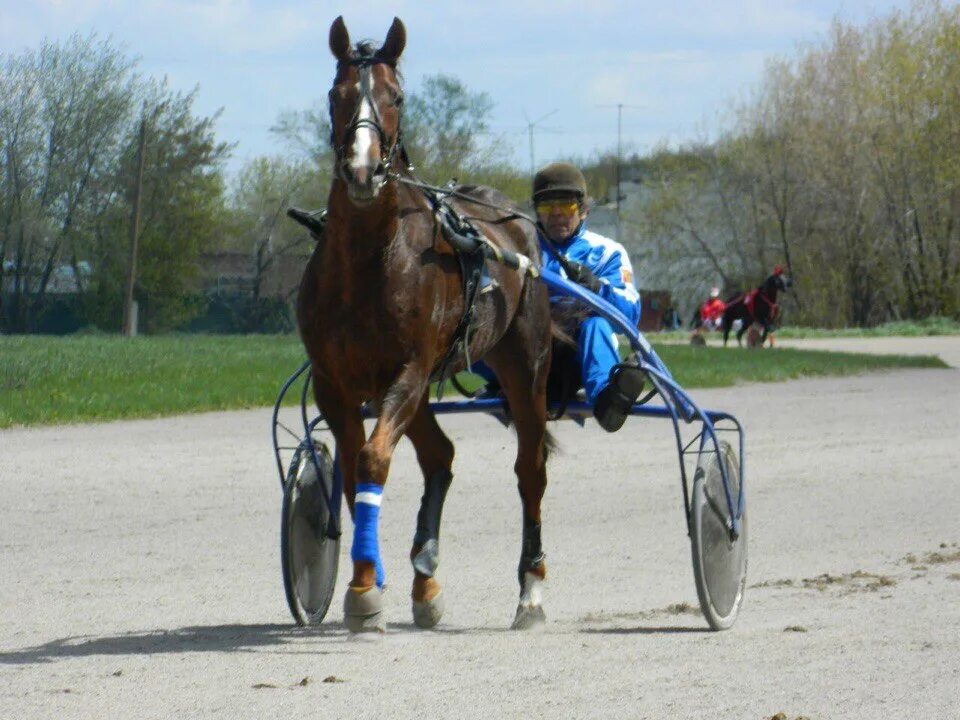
[(368, 49)]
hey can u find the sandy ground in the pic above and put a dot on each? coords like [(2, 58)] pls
[(139, 571), (948, 348)]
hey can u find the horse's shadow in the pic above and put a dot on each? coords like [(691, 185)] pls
[(237, 638), (200, 638), (646, 630)]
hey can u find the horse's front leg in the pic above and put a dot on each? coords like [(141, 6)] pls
[(435, 456), (343, 417), (363, 603)]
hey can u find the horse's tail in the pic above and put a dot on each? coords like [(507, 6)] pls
[(550, 444), (564, 317), (560, 335)]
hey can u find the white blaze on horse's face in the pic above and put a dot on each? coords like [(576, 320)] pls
[(362, 162)]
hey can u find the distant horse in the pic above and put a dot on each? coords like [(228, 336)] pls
[(757, 306), (381, 304)]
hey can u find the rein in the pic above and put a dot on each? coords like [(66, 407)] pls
[(508, 213)]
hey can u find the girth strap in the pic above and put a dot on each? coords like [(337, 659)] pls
[(472, 263)]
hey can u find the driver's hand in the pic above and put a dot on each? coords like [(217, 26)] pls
[(582, 275)]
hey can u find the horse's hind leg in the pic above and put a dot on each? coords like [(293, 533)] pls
[(529, 416), (524, 379), (435, 456)]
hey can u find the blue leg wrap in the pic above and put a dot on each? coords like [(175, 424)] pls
[(366, 520)]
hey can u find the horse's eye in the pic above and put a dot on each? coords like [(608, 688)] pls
[(398, 101)]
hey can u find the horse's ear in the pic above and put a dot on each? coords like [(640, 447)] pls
[(395, 42), (340, 40)]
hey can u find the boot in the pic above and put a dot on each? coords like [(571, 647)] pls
[(616, 400)]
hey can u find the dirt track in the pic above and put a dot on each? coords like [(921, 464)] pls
[(140, 576)]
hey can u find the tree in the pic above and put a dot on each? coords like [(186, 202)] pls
[(843, 163), (64, 111), (69, 116), (264, 189), (307, 133), (446, 129)]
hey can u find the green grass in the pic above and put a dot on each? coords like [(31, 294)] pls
[(55, 380), (928, 327), (913, 328), (45, 381), (718, 367)]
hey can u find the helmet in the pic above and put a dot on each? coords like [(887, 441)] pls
[(714, 292), (778, 270), (559, 178)]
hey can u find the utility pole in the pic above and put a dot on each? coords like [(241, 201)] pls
[(530, 126), (129, 306), (619, 107), (619, 154)]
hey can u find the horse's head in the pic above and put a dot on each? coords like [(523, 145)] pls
[(365, 109), (778, 281)]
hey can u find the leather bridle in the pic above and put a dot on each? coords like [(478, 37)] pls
[(364, 65)]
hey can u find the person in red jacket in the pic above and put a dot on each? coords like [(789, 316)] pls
[(708, 317), (711, 311)]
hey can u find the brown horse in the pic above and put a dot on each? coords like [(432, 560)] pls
[(379, 306)]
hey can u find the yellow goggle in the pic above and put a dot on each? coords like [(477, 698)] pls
[(564, 207)]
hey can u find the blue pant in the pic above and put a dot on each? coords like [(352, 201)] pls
[(597, 345), (596, 351)]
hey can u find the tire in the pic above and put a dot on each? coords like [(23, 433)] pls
[(308, 556), (719, 563), (698, 340), (754, 337)]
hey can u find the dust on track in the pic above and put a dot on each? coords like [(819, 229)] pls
[(141, 573)]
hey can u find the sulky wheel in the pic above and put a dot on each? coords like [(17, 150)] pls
[(698, 340), (308, 555), (719, 562), (755, 337)]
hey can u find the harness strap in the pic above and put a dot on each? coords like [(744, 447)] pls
[(472, 262)]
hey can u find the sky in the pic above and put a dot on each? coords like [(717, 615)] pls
[(674, 66)]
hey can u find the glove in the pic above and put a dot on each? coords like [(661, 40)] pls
[(582, 275)]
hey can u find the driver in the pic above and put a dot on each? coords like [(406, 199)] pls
[(602, 266), (711, 312)]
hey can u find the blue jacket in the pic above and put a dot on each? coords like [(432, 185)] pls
[(608, 260)]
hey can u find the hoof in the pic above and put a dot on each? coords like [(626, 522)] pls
[(528, 617), (363, 610), (427, 614)]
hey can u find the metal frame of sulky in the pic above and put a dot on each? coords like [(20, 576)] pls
[(677, 405)]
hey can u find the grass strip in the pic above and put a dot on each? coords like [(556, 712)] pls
[(930, 327), (48, 381)]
